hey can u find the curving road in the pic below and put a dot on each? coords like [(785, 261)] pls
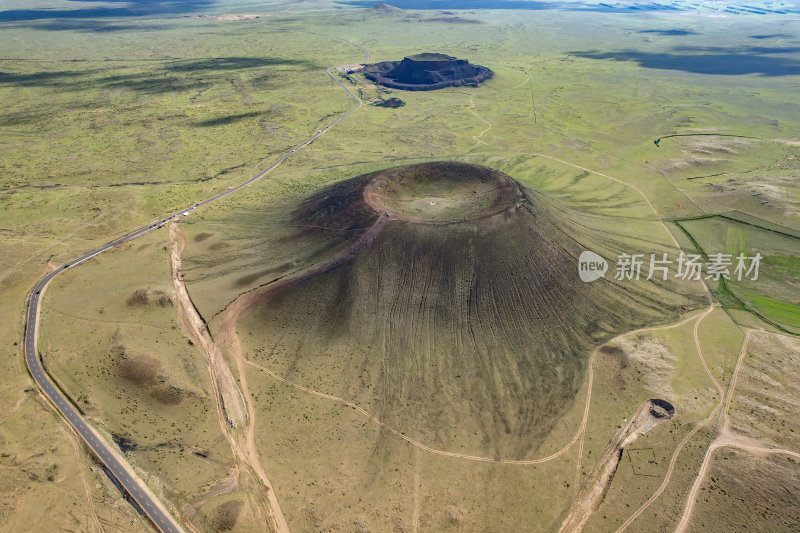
[(112, 460)]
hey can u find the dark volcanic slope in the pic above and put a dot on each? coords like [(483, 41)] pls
[(426, 72), (471, 336)]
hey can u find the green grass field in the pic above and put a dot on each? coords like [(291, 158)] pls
[(772, 296)]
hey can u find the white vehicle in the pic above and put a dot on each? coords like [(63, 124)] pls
[(185, 213)]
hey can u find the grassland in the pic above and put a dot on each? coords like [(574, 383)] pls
[(771, 293), (759, 411), (138, 380), (767, 484), (175, 128), (115, 120), (766, 391)]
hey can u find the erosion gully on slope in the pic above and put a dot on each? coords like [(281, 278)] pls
[(232, 407)]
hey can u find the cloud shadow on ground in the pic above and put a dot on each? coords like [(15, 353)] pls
[(228, 119), (673, 31), (171, 75), (728, 62), (132, 8)]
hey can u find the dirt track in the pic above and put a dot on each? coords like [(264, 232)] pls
[(488, 124), (688, 437), (726, 438), (89, 500), (246, 444), (227, 394), (225, 485), (640, 424), (231, 405)]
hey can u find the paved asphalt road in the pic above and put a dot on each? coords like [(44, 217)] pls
[(152, 508)]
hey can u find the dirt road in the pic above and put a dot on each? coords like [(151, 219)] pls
[(228, 396), (647, 417), (725, 439), (232, 408), (708, 420), (729, 439)]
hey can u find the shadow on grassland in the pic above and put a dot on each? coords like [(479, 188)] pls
[(173, 75), (44, 78), (729, 62), (132, 8), (224, 121), (84, 26), (673, 31), (231, 63), (40, 113)]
